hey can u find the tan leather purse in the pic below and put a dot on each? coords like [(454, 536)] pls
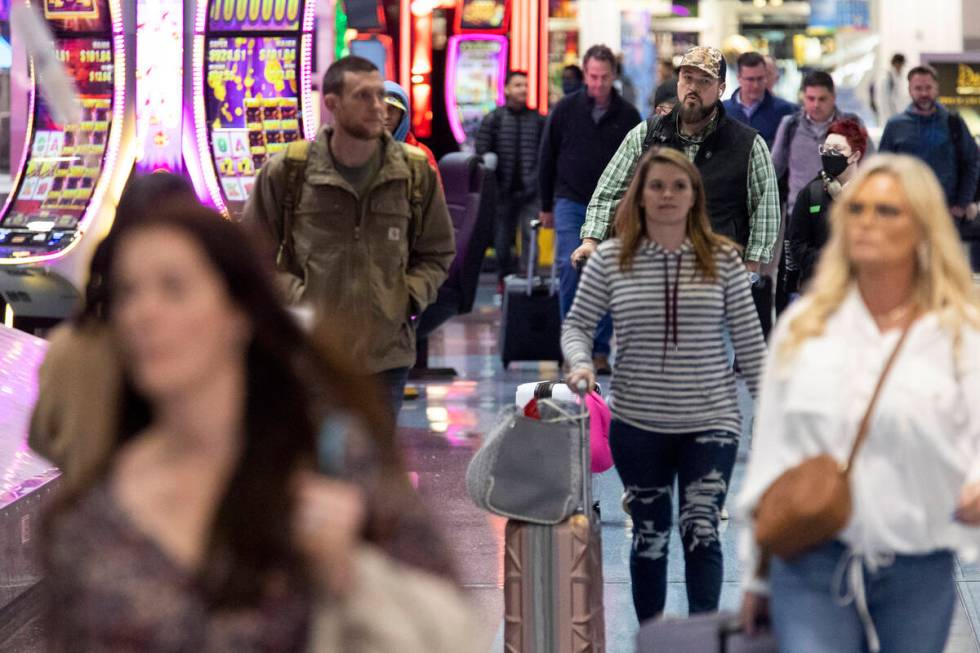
[(811, 503)]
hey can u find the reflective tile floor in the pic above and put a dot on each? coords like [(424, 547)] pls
[(441, 431)]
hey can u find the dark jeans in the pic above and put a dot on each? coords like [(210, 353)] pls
[(910, 601), (513, 213), (975, 255), (395, 380), (648, 463), (569, 218)]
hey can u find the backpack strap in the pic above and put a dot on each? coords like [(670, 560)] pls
[(418, 163), (297, 154), (653, 129)]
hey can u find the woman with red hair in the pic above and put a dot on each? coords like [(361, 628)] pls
[(809, 227)]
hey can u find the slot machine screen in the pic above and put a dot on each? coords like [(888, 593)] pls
[(66, 160), (477, 69), (252, 106)]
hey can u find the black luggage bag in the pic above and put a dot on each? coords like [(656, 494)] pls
[(530, 320)]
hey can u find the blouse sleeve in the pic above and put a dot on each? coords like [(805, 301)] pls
[(767, 451), (970, 370)]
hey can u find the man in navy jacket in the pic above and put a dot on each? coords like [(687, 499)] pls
[(583, 132), (752, 103), (928, 131)]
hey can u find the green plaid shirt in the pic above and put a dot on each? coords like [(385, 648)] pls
[(763, 193)]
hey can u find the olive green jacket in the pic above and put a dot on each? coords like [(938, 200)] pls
[(364, 263)]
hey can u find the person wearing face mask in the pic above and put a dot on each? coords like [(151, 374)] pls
[(809, 226)]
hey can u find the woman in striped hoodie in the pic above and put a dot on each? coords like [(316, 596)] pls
[(674, 289)]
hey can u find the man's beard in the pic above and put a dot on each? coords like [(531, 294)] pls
[(359, 130), (693, 114), (925, 106)]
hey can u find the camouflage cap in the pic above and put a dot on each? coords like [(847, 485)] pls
[(706, 59)]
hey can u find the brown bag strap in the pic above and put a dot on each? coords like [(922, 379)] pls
[(862, 433)]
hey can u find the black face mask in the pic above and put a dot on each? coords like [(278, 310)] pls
[(834, 164)]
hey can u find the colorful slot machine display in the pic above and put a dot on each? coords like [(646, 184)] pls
[(476, 65), (252, 90), (68, 168)]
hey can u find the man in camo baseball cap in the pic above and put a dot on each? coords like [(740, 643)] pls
[(706, 59)]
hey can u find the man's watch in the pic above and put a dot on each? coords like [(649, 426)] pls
[(754, 278)]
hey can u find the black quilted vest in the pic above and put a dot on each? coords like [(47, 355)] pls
[(723, 160)]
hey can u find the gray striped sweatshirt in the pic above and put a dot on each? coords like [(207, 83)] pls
[(672, 374)]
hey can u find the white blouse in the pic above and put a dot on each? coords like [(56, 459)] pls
[(924, 440)]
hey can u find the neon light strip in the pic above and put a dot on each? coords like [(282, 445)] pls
[(543, 71), (452, 69), (111, 155), (306, 86), (206, 163), (405, 44), (532, 54)]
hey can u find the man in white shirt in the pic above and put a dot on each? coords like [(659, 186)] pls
[(891, 94)]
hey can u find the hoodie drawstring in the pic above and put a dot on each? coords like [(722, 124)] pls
[(670, 306)]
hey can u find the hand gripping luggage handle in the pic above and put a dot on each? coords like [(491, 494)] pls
[(582, 390), (535, 228)]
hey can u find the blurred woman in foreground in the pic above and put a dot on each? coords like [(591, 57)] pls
[(203, 526), (893, 269)]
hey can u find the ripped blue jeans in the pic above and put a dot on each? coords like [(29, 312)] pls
[(648, 464)]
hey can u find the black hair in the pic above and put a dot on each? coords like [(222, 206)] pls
[(750, 60), (923, 69), (898, 59), (291, 384), (512, 74), (333, 79), (142, 194), (575, 70), (600, 53), (819, 78)]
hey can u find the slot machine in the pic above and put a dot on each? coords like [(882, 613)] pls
[(366, 20), (70, 175), (476, 65), (251, 91)]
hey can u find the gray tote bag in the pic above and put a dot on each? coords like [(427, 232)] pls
[(529, 469)]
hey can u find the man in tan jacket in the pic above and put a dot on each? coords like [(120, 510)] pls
[(363, 233)]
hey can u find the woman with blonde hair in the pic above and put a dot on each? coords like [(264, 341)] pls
[(892, 282), (673, 288)]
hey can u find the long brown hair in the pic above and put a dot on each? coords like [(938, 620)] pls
[(291, 385), (630, 223)]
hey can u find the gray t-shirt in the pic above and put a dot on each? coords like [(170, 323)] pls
[(360, 177)]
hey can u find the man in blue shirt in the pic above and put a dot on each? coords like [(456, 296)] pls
[(930, 132), (752, 103)]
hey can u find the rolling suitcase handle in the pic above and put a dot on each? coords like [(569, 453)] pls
[(532, 250), (532, 254), (582, 390)]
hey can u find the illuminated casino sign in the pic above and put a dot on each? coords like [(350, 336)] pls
[(78, 15), (482, 15), (65, 9), (959, 84), (254, 15)]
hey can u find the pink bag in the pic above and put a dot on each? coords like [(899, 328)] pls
[(599, 420)]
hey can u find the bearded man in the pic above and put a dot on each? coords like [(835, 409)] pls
[(739, 178), (358, 224)]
